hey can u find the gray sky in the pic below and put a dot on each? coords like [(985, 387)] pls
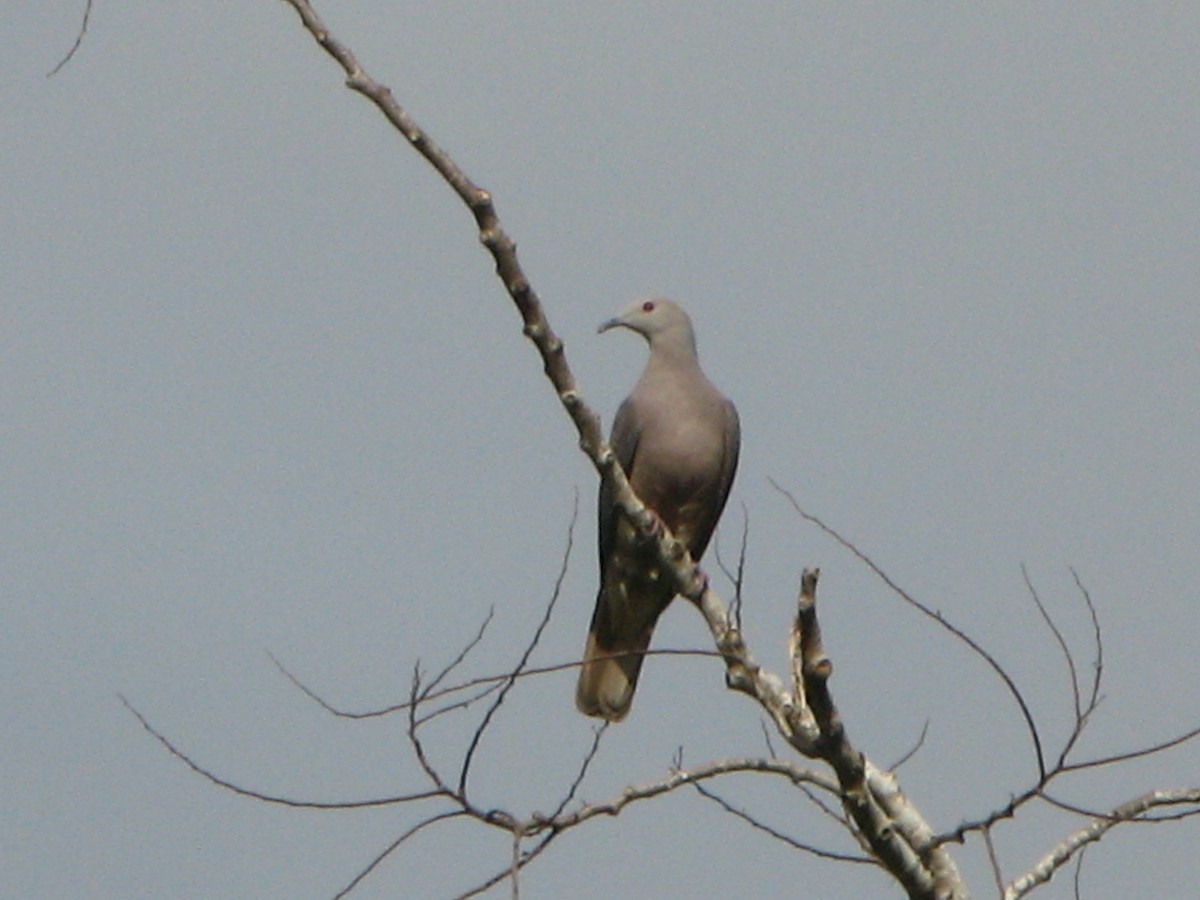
[(262, 392)]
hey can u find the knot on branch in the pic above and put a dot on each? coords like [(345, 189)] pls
[(731, 646), (501, 818), (480, 201), (819, 669), (738, 679)]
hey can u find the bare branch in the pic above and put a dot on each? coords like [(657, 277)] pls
[(993, 860), (1062, 646), (1134, 810), (912, 751), (759, 825), (736, 577), (766, 732), (1039, 791), (515, 867), (896, 833), (429, 693), (901, 816), (458, 660), (492, 682), (1133, 754), (465, 769), (684, 777), (549, 828), (1076, 880), (465, 703), (524, 859), (415, 742), (958, 835), (83, 27), (209, 775), (583, 770), (395, 845), (494, 238), (937, 617), (1098, 676)]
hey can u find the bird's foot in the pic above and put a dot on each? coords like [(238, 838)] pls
[(655, 529)]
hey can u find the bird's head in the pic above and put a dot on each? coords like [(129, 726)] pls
[(658, 320)]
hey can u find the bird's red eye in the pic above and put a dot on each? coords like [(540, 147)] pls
[(648, 306)]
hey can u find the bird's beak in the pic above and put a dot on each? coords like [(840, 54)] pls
[(610, 324)]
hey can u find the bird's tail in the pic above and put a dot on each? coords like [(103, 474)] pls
[(609, 675)]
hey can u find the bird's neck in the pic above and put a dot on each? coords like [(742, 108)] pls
[(675, 347), (672, 357)]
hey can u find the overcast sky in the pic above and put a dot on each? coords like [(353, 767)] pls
[(262, 393)]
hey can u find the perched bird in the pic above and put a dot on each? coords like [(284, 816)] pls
[(677, 438)]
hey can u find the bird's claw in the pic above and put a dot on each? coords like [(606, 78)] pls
[(656, 527)]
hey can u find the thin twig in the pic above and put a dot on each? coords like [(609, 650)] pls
[(994, 860), (462, 655), (418, 747), (736, 576), (1077, 880), (395, 845), (525, 859), (465, 703), (228, 785), (493, 681), (766, 733), (937, 617), (515, 673), (778, 835), (83, 27), (1062, 645), (586, 763), (1133, 754), (1098, 637), (912, 750)]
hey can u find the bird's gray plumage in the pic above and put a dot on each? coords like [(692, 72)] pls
[(676, 438)]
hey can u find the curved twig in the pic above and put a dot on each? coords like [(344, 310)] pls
[(79, 35), (492, 683), (972, 644), (506, 686), (228, 785), (394, 846), (1068, 657)]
